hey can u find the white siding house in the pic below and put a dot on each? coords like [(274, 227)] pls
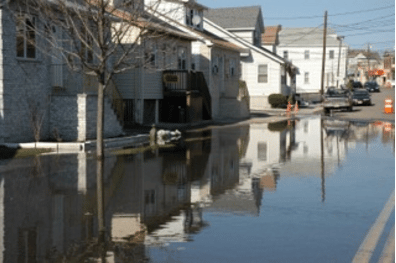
[(263, 71), (304, 48)]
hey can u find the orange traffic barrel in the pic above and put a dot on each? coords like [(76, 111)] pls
[(388, 127), (388, 106)]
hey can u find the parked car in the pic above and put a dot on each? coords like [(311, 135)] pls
[(372, 86), (361, 97), (337, 99), (357, 85)]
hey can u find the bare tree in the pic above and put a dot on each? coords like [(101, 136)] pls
[(97, 37)]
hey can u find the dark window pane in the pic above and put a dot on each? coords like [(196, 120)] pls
[(20, 46)]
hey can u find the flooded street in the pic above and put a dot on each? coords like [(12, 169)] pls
[(305, 190)]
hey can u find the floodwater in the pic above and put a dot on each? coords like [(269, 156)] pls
[(306, 190)]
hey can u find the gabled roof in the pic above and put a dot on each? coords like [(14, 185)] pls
[(207, 36), (248, 45), (270, 35), (307, 37), (236, 17), (371, 55)]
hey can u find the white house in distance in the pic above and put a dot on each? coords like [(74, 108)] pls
[(304, 48), (263, 71)]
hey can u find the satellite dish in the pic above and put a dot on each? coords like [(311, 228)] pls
[(196, 20)]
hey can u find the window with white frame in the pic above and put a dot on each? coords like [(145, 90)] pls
[(87, 47), (306, 54), (215, 65), (26, 37), (263, 73), (232, 67), (150, 56), (331, 54), (182, 58), (194, 18), (285, 54), (306, 77)]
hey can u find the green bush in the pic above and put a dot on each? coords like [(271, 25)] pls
[(277, 126), (277, 100)]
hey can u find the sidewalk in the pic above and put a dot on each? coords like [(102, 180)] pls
[(314, 109), (140, 135)]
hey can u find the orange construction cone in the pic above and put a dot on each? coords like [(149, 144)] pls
[(296, 108), (288, 109), (388, 106)]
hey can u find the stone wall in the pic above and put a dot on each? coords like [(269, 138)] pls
[(73, 117), (24, 87)]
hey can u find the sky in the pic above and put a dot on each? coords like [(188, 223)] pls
[(364, 24)]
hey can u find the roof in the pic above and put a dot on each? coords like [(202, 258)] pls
[(307, 37), (236, 17), (270, 35), (248, 46), (150, 22), (217, 41), (368, 54)]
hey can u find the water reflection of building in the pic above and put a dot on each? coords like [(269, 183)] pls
[(269, 146)]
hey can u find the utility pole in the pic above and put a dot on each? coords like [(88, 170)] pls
[(340, 38), (368, 60), (323, 56)]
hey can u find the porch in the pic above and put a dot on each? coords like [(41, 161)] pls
[(186, 97)]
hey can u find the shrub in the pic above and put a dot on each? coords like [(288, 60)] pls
[(277, 126), (277, 100)]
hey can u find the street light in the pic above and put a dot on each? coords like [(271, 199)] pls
[(339, 38)]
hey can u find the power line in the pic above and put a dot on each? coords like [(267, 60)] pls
[(339, 14)]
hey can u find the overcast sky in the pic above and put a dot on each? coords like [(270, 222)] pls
[(359, 21)]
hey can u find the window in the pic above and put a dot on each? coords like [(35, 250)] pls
[(25, 37), (263, 73), (285, 54), (27, 245), (215, 65), (194, 18), (306, 77), (232, 67), (262, 151), (150, 57), (331, 54), (306, 54), (87, 48), (149, 202), (182, 58)]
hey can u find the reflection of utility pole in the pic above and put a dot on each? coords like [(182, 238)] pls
[(340, 38), (367, 136), (323, 57), (322, 161), (338, 152)]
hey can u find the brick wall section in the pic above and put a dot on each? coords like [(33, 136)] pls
[(22, 82), (112, 127), (233, 109), (74, 117)]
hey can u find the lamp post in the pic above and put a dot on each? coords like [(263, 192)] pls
[(340, 38)]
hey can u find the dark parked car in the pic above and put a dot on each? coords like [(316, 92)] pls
[(372, 86), (361, 97), (357, 85), (337, 99)]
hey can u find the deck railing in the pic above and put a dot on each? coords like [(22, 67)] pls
[(182, 81)]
